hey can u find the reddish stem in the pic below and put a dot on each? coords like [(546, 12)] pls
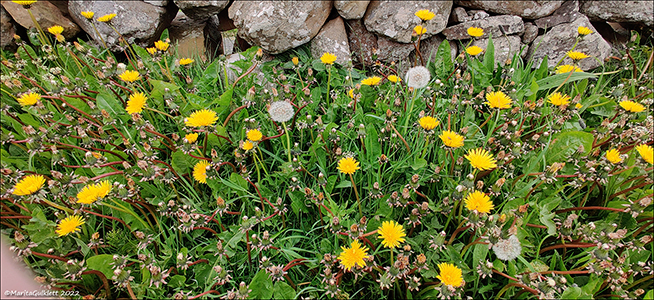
[(571, 245), (589, 208)]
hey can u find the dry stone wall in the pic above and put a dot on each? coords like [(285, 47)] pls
[(359, 32)]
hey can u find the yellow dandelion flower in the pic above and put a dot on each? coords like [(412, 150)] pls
[(151, 50), (161, 45), (106, 18), (632, 106), (558, 99), (130, 76), (29, 185), (93, 192), (374, 80), (419, 30), (474, 50), (136, 103), (24, 2), (200, 171), (254, 135), (646, 152), (69, 225), (56, 30), (480, 159), (567, 69), (185, 61), (498, 100), (351, 93), (191, 137), (394, 79), (247, 145), (475, 31), (201, 118), (480, 202), (328, 58), (428, 123), (354, 255), (29, 99), (578, 106), (450, 274), (391, 233), (348, 165), (582, 30), (425, 14), (451, 139), (87, 14), (295, 60), (576, 55), (613, 156)]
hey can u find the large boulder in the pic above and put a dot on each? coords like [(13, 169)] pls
[(45, 13), (278, 26), (396, 19), (7, 30), (351, 9), (491, 26), (138, 22), (201, 10), (188, 35), (332, 38), (620, 11), (555, 43), (568, 12), (504, 47), (363, 44), (533, 9)]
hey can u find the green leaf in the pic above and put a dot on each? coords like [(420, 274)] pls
[(177, 281), (164, 35), (283, 291), (649, 295), (110, 104), (442, 66), (344, 184), (566, 143), (101, 263), (546, 213), (572, 293), (182, 162), (159, 89), (556, 80), (261, 286), (489, 56), (593, 286), (224, 101), (419, 163)]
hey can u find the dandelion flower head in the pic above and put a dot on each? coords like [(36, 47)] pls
[(417, 77), (479, 201), (582, 30), (130, 76), (185, 61), (613, 156), (24, 2), (106, 18), (69, 225), (281, 111), (646, 152), (498, 100), (247, 145), (428, 123), (328, 58), (451, 139), (480, 159), (508, 249), (475, 31), (474, 50), (391, 233), (576, 55), (56, 30), (200, 171), (93, 192), (136, 103), (254, 135), (394, 79), (191, 137), (87, 14), (29, 185), (161, 45), (29, 99), (348, 165), (632, 106), (201, 118), (425, 14), (370, 81), (558, 99), (567, 69), (419, 30), (354, 255), (450, 274)]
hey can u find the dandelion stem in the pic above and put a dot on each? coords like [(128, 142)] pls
[(329, 78), (357, 195), (288, 141)]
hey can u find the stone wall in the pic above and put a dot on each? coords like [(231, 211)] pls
[(357, 31)]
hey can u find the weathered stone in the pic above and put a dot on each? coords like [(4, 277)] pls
[(641, 12), (332, 38), (568, 12), (505, 47), (221, 21), (491, 26), (188, 34), (476, 14), (201, 10), (396, 19), (45, 13), (459, 15), (533, 9), (7, 30), (556, 42), (616, 35), (390, 50), (429, 48), (137, 21), (351, 9), (530, 34), (62, 5), (279, 26), (161, 3), (363, 44)]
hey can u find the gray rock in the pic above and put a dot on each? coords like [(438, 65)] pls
[(476, 14), (530, 34), (556, 42), (188, 34), (391, 51), (491, 26), (396, 19), (279, 26), (137, 21), (332, 38), (201, 10), (459, 15), (45, 13), (161, 3), (505, 47), (62, 5), (568, 12), (641, 12), (363, 44), (7, 30), (351, 9), (533, 9), (429, 48)]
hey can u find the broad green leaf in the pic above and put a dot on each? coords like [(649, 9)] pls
[(283, 291), (101, 263), (556, 80), (182, 162), (261, 286), (110, 104), (177, 281), (489, 56), (566, 143)]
